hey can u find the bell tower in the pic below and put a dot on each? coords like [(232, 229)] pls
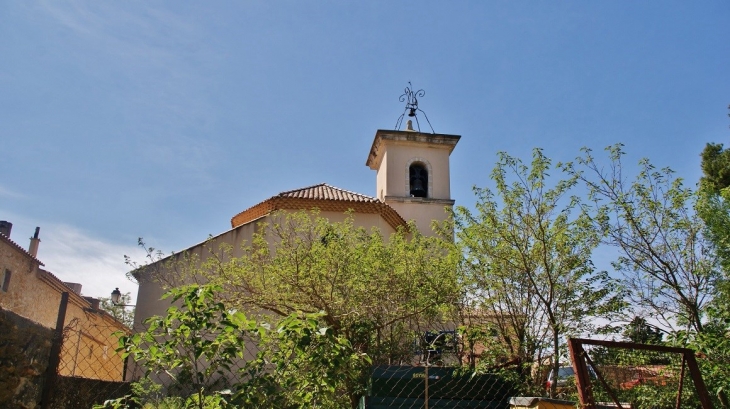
[(413, 173)]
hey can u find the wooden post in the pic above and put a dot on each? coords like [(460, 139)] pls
[(585, 392), (689, 355), (55, 357)]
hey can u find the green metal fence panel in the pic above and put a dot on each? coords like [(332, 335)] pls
[(410, 387)]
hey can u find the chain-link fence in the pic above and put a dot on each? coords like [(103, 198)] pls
[(438, 373), (90, 370), (430, 371), (73, 366), (410, 369), (436, 387), (433, 370), (630, 375), (89, 351)]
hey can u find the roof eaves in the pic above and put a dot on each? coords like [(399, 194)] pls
[(19, 248), (59, 285), (307, 198)]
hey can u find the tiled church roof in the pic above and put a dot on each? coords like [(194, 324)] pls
[(323, 197), (324, 191)]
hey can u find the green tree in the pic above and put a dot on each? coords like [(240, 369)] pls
[(528, 258), (713, 206), (210, 356), (667, 262), (313, 366), (374, 291), (673, 249), (715, 167), (194, 345), (639, 331)]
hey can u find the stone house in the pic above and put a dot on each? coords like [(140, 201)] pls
[(28, 290)]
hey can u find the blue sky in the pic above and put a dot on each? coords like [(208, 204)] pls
[(162, 120)]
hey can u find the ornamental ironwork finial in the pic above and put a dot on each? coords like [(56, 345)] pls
[(412, 109)]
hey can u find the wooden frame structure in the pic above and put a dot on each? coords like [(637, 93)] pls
[(581, 360)]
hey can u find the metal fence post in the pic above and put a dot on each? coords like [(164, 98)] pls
[(55, 356), (426, 386)]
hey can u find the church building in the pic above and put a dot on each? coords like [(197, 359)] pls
[(412, 184)]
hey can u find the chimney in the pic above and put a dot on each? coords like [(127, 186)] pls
[(34, 242), (93, 301), (76, 287), (5, 228)]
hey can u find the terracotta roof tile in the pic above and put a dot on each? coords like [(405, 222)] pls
[(18, 247), (323, 197), (324, 191)]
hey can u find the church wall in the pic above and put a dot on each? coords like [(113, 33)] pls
[(150, 291), (421, 212), (365, 220), (170, 271)]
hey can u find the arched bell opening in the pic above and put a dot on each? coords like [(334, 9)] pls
[(418, 177)]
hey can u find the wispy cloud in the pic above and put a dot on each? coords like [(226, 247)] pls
[(125, 29), (76, 256), (156, 55), (10, 194)]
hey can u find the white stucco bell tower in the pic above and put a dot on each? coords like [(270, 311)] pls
[(413, 174)]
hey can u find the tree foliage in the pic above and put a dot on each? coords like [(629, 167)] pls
[(668, 266), (365, 284), (714, 208), (528, 259), (216, 357), (715, 167), (194, 344), (372, 290), (641, 332), (340, 297), (313, 366)]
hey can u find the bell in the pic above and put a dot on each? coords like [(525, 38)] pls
[(413, 112), (417, 189)]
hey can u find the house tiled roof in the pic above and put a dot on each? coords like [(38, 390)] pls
[(323, 197), (17, 246)]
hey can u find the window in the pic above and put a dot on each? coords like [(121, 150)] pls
[(6, 280), (418, 176)]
